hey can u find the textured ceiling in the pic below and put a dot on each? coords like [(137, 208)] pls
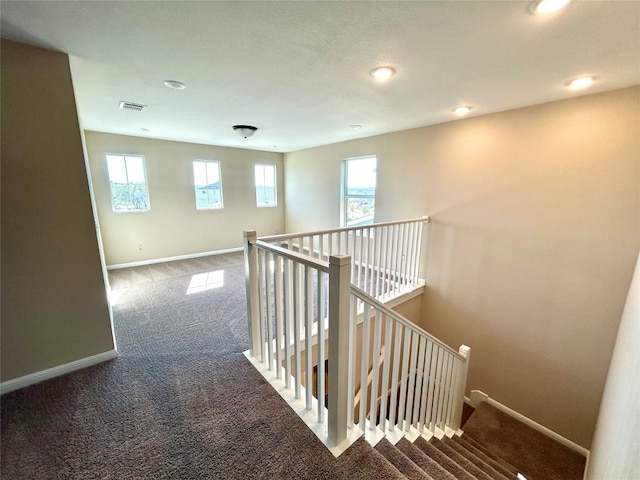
[(299, 71)]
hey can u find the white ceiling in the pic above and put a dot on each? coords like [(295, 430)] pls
[(299, 71)]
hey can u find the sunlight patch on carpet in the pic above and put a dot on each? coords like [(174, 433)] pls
[(206, 281)]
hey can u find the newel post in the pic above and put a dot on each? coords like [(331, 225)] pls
[(339, 297), (253, 299), (460, 387)]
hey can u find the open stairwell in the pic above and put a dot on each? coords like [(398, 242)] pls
[(374, 387), (494, 446)]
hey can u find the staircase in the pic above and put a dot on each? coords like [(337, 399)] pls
[(494, 446), (316, 315), (450, 458)]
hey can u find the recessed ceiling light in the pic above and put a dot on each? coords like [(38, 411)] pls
[(579, 83), (462, 110), (382, 73), (548, 6), (355, 126), (142, 129), (175, 84)]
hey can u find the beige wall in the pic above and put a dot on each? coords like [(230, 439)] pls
[(173, 226), (54, 305), (536, 225)]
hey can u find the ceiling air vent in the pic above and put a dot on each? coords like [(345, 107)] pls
[(131, 106)]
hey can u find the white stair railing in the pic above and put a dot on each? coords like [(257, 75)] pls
[(385, 257), (287, 295), (419, 384), (409, 382)]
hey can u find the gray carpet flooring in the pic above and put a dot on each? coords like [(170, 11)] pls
[(180, 401)]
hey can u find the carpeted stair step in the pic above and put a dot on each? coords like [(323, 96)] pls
[(468, 461), (443, 460), (488, 456), (523, 446), (399, 460), (421, 459), (503, 467)]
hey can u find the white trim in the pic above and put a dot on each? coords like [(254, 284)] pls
[(478, 397), (32, 378), (171, 259)]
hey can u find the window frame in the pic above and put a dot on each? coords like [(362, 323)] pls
[(275, 184), (195, 187), (345, 196), (124, 157)]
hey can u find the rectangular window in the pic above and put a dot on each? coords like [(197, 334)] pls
[(359, 191), (128, 182), (208, 184), (266, 194)]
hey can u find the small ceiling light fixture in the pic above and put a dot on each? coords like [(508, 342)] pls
[(382, 73), (142, 129), (580, 83), (245, 131), (548, 6), (355, 126), (462, 110), (176, 85)]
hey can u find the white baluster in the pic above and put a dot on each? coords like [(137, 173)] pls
[(397, 348), (288, 320), (432, 385), (443, 388), (436, 392), (353, 317), (261, 289), (277, 273), (404, 374), (418, 388), (321, 354), (364, 365), (252, 289), (424, 399), (296, 326), (378, 255), (385, 372), (269, 307), (383, 263), (412, 382), (308, 334), (375, 368)]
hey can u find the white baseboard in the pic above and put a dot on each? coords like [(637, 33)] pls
[(171, 259), (477, 397), (21, 382)]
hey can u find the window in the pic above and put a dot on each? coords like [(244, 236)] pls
[(128, 183), (208, 184), (359, 191), (266, 195)]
